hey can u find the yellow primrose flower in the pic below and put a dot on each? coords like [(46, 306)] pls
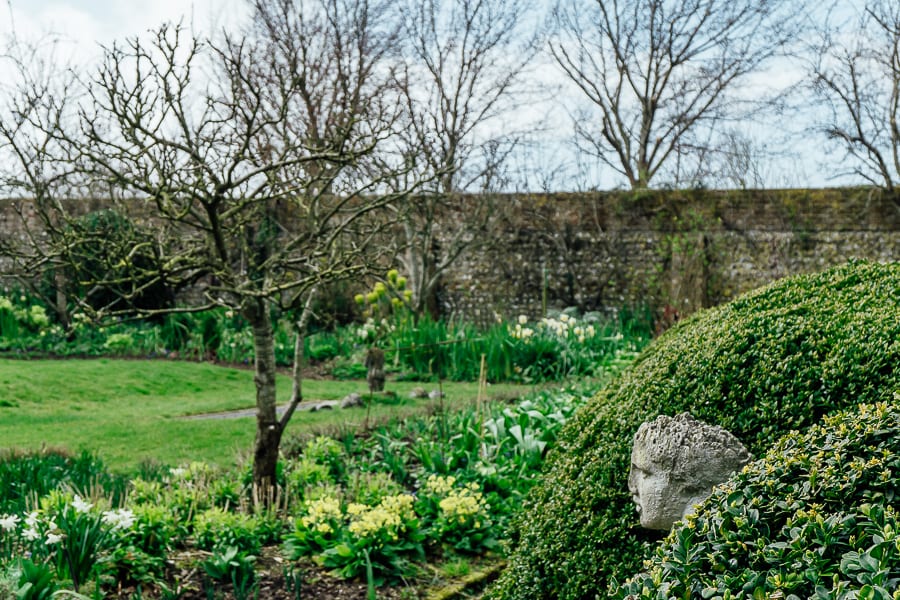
[(320, 512), (436, 484), (374, 520), (462, 504), (354, 509)]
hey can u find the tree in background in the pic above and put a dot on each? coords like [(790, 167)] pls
[(462, 74), (855, 71), (257, 163), (658, 75), (31, 165)]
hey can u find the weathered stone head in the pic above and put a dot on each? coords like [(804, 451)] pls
[(675, 463)]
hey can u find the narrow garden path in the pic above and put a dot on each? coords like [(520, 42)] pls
[(248, 412)]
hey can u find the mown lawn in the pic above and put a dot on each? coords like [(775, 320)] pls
[(128, 411)]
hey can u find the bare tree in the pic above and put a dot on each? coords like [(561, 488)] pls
[(658, 74), (464, 62), (32, 109), (257, 162), (856, 72)]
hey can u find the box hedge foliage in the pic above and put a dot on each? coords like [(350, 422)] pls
[(813, 519), (773, 360)]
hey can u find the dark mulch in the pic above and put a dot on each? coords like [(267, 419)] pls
[(315, 584)]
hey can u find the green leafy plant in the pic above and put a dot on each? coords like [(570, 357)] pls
[(9, 580), (773, 360), (137, 554), (73, 534), (316, 531), (83, 536), (371, 488), (20, 316), (378, 541), (328, 452), (9, 320), (36, 581), (119, 344), (172, 591), (229, 564), (456, 514), (29, 474), (384, 307), (216, 527)]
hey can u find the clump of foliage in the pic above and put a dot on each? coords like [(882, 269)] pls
[(813, 519), (21, 318), (773, 360), (431, 488), (560, 346), (110, 251), (24, 475)]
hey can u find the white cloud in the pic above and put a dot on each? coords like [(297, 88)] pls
[(83, 25)]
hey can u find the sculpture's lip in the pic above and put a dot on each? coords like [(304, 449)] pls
[(637, 503)]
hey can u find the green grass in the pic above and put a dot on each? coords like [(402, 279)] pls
[(128, 411)]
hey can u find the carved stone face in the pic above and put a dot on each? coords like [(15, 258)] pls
[(660, 499), (675, 463)]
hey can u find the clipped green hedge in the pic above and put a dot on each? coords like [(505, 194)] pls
[(773, 360), (813, 519)]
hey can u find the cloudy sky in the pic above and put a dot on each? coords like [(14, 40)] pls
[(83, 24)]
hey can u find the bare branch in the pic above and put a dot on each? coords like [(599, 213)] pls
[(658, 72), (855, 71)]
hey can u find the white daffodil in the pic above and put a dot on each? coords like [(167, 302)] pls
[(31, 534), (8, 522), (80, 505), (31, 519), (53, 538), (120, 518)]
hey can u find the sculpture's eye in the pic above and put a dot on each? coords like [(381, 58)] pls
[(639, 471)]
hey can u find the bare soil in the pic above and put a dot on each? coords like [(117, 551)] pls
[(276, 580)]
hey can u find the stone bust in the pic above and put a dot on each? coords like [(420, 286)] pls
[(675, 463)]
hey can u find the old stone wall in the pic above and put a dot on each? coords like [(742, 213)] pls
[(684, 250), (681, 249)]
